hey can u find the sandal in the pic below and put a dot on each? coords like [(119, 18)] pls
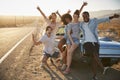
[(67, 71)]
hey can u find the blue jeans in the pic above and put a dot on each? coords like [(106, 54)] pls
[(75, 40)]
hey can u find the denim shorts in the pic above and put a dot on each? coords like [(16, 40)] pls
[(75, 40), (55, 54)]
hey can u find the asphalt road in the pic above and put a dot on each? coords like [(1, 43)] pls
[(10, 36)]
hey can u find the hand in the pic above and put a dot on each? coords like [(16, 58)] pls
[(116, 16), (73, 43), (69, 11), (85, 3), (57, 12), (38, 8)]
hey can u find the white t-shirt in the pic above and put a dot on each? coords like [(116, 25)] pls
[(53, 25), (89, 37), (49, 44)]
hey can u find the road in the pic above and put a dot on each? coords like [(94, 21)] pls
[(10, 36)]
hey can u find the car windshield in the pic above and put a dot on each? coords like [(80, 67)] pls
[(60, 31)]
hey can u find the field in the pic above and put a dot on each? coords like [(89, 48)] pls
[(111, 29), (16, 21)]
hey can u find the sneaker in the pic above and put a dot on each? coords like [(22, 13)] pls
[(105, 68), (94, 78), (63, 67)]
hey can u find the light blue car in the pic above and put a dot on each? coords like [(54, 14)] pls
[(109, 48)]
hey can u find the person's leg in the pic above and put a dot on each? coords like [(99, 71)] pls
[(60, 44), (96, 60), (44, 60), (69, 57), (94, 66), (64, 59), (96, 56), (65, 56), (89, 53), (60, 47)]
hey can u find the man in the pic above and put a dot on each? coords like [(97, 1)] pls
[(90, 40)]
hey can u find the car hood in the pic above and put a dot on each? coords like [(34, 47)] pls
[(110, 44)]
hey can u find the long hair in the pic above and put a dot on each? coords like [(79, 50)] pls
[(64, 16), (77, 12), (50, 17)]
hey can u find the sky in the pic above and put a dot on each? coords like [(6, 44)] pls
[(28, 7)]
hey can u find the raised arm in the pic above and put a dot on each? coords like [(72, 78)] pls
[(57, 12), (69, 11), (38, 8), (35, 42), (101, 20), (84, 4), (114, 16)]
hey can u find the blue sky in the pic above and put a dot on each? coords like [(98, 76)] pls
[(28, 7)]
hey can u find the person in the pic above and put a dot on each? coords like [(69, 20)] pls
[(49, 46), (51, 21), (63, 41), (66, 19), (90, 39), (74, 37)]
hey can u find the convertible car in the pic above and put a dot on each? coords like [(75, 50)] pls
[(109, 50)]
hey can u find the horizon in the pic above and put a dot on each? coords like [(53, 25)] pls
[(70, 13), (28, 7)]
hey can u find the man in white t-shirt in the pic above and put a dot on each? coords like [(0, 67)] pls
[(90, 40), (49, 45)]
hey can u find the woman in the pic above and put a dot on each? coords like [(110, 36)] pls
[(51, 21), (66, 19), (73, 38), (63, 42)]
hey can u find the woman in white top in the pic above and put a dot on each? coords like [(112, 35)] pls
[(51, 21)]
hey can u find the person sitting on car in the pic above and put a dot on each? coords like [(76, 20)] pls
[(90, 39)]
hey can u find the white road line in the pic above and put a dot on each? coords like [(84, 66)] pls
[(5, 56)]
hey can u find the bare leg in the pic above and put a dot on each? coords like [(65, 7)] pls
[(44, 60), (60, 46), (64, 54), (69, 55)]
